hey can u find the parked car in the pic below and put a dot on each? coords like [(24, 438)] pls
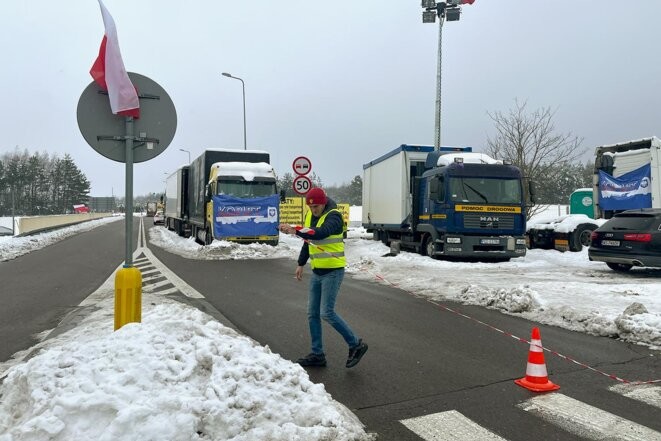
[(159, 218), (630, 238)]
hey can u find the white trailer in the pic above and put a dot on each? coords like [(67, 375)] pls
[(387, 185), (621, 159)]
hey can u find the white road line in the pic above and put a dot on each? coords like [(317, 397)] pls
[(450, 425), (587, 421), (647, 393), (152, 286)]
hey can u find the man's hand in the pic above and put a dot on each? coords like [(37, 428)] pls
[(299, 273), (287, 229)]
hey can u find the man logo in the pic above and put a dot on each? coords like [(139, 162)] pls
[(489, 219)]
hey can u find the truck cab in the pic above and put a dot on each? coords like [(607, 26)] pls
[(242, 202), (470, 205)]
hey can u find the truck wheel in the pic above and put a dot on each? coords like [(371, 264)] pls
[(581, 237), (428, 247), (383, 235), (619, 267)]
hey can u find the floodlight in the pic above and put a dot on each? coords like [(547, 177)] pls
[(452, 14), (428, 16), (429, 4)]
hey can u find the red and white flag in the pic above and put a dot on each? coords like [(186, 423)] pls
[(109, 73)]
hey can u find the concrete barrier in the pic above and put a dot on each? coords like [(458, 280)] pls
[(34, 224)]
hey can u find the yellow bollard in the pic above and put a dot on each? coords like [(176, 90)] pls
[(128, 296)]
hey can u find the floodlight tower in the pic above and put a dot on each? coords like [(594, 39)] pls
[(448, 10)]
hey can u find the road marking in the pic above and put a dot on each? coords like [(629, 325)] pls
[(646, 393), (586, 421), (450, 425)]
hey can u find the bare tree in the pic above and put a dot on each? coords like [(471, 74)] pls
[(530, 141)]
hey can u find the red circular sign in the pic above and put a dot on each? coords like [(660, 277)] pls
[(302, 165), (302, 184)]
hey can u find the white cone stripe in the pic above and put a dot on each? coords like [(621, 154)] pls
[(536, 346), (536, 370), (647, 393), (448, 425), (586, 421)]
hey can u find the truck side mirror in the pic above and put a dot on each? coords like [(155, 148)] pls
[(207, 193), (436, 192), (532, 191), (433, 190)]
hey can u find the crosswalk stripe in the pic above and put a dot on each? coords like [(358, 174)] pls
[(646, 393), (448, 425), (587, 421)]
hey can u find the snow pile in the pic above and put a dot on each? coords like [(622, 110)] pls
[(178, 375)]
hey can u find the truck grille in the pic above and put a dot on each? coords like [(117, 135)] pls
[(489, 221)]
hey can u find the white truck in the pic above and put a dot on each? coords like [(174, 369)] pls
[(626, 176)]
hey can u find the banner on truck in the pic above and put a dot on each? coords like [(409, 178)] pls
[(629, 191), (236, 217)]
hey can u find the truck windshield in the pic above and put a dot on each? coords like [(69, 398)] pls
[(485, 190), (245, 189)]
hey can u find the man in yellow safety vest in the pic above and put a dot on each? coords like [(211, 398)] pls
[(323, 232)]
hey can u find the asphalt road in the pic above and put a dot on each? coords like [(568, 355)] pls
[(422, 359), (39, 288)]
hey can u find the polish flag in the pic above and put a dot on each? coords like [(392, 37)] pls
[(109, 73)]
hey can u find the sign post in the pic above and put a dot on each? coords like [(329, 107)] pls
[(113, 136), (302, 184)]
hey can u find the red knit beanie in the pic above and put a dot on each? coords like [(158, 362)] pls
[(316, 196)]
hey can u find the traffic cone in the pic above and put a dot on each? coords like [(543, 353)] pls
[(536, 378)]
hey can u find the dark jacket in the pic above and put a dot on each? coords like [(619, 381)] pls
[(333, 224)]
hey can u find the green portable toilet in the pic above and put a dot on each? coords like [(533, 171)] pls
[(580, 202)]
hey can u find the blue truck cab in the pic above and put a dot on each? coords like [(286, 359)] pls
[(462, 204)]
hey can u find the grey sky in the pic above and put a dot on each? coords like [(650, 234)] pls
[(340, 82)]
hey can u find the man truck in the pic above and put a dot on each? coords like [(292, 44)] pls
[(225, 195), (447, 203)]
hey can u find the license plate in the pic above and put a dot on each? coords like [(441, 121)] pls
[(490, 241), (610, 243)]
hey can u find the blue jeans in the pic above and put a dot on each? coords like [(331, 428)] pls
[(321, 305)]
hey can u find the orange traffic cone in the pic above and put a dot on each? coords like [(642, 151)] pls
[(536, 378)]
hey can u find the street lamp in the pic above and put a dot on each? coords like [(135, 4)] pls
[(186, 151), (243, 87)]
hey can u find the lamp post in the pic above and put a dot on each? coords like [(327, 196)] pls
[(449, 10), (186, 151), (243, 87)]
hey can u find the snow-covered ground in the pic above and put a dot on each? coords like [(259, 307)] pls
[(181, 375)]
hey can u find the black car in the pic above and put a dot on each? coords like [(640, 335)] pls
[(630, 238)]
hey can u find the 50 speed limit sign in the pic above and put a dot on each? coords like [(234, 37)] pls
[(302, 184)]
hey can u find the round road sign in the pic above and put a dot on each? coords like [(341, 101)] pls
[(302, 184), (105, 132), (302, 166)]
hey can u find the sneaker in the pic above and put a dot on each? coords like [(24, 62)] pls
[(312, 359), (356, 353)]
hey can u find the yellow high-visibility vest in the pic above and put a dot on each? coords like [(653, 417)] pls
[(329, 252)]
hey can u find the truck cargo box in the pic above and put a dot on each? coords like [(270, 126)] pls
[(176, 187), (388, 184)]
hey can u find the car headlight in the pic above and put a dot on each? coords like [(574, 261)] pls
[(453, 240), (520, 241)]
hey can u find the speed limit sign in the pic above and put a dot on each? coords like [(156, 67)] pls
[(302, 184)]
